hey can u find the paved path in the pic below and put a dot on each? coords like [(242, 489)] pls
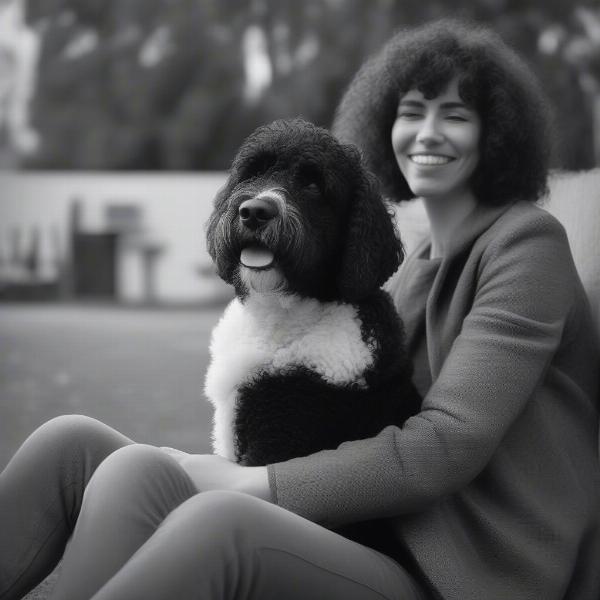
[(140, 371)]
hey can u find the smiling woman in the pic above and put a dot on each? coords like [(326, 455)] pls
[(493, 83), (499, 470), (436, 142)]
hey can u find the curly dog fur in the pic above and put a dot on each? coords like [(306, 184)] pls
[(310, 352)]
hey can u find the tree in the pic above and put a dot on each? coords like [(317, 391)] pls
[(174, 84)]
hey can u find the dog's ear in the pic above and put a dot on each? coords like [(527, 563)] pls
[(372, 249)]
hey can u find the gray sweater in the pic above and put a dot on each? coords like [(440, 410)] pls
[(494, 487)]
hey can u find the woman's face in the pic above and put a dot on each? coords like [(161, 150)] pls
[(436, 142)]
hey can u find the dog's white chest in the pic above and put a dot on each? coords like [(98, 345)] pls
[(269, 337)]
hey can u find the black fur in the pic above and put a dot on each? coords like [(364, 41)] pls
[(296, 413), (339, 245)]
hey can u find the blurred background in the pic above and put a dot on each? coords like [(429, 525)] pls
[(176, 84), (118, 121)]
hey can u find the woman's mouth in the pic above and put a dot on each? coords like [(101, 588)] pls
[(430, 160)]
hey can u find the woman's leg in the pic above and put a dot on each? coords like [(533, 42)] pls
[(128, 497), (41, 490), (227, 545)]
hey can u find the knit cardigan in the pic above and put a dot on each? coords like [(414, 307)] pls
[(493, 489)]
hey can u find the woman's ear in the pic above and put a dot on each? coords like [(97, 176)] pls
[(372, 249)]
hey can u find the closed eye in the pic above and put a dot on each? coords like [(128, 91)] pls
[(409, 115)]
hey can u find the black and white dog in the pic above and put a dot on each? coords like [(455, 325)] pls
[(310, 352)]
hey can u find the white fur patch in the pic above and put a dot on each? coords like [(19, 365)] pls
[(272, 332)]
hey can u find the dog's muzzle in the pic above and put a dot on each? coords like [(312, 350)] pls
[(258, 211), (255, 215)]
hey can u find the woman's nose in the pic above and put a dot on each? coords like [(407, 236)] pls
[(430, 132)]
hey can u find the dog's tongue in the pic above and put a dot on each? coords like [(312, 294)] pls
[(256, 257)]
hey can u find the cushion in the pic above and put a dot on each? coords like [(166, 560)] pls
[(574, 200)]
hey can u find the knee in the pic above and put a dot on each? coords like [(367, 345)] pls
[(137, 472), (69, 426), (133, 463), (71, 431), (71, 437)]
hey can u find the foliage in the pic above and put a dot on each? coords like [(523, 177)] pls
[(161, 84)]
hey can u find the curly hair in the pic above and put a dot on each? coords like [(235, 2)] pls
[(516, 135)]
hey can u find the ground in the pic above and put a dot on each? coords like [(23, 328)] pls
[(141, 371)]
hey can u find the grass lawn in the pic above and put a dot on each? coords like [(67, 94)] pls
[(139, 370)]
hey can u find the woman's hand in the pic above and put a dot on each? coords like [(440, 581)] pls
[(212, 472)]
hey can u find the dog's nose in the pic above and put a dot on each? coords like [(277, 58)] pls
[(256, 212)]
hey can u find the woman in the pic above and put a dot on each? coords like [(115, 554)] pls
[(505, 495), (492, 491)]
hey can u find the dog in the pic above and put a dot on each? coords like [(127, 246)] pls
[(309, 354)]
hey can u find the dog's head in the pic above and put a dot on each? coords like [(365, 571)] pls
[(299, 214)]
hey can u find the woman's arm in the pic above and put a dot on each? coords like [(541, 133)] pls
[(525, 289)]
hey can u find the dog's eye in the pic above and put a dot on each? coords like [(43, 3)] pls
[(312, 188), (310, 179)]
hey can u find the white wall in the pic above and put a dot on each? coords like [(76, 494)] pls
[(176, 208), (177, 205)]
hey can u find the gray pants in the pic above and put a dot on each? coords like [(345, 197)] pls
[(142, 530)]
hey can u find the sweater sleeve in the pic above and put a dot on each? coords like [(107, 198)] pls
[(524, 292)]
